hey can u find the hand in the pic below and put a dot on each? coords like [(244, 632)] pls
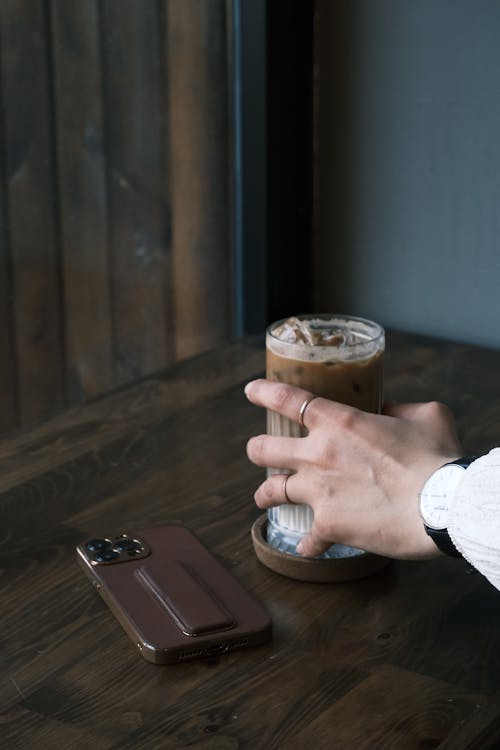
[(360, 473)]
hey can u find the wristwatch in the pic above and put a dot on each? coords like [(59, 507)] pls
[(434, 502)]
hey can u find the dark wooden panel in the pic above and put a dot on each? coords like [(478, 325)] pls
[(31, 200), (139, 220), (76, 54), (92, 167), (8, 385), (198, 108)]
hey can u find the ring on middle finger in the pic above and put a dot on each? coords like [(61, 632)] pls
[(285, 493)]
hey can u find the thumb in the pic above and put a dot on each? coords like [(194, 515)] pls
[(423, 412), (403, 411)]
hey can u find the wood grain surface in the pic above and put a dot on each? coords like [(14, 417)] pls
[(405, 660)]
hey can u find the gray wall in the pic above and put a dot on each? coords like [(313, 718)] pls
[(408, 226)]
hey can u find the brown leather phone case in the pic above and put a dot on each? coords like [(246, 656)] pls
[(172, 597)]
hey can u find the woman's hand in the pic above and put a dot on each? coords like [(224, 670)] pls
[(360, 473)]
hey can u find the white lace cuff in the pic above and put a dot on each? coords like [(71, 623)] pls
[(474, 521)]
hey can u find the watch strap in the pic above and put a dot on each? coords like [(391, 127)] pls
[(464, 462), (442, 540)]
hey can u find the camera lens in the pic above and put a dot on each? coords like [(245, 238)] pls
[(127, 545), (97, 544), (106, 555)]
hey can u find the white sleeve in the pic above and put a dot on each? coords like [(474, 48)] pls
[(474, 521)]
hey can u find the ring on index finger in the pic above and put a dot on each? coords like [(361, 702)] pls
[(303, 408)]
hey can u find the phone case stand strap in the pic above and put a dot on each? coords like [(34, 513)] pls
[(186, 596)]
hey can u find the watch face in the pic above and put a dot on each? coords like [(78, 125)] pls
[(436, 494)]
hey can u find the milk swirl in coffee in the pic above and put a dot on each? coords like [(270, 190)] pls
[(333, 356)]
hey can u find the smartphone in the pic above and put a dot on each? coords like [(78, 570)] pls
[(172, 597)]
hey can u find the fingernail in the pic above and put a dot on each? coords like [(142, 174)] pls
[(300, 548), (248, 388)]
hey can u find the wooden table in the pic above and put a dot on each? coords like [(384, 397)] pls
[(409, 658)]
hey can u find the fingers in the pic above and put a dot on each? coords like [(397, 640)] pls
[(312, 545), (274, 452), (285, 399), (272, 491)]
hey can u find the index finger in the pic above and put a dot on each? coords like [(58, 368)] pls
[(287, 400)]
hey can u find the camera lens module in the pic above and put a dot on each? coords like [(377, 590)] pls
[(127, 545), (106, 555), (97, 544)]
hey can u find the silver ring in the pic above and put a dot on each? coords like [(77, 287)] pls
[(285, 480), (303, 408)]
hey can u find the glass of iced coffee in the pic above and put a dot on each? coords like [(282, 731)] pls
[(335, 356)]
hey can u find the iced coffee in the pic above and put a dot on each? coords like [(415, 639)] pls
[(333, 356)]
